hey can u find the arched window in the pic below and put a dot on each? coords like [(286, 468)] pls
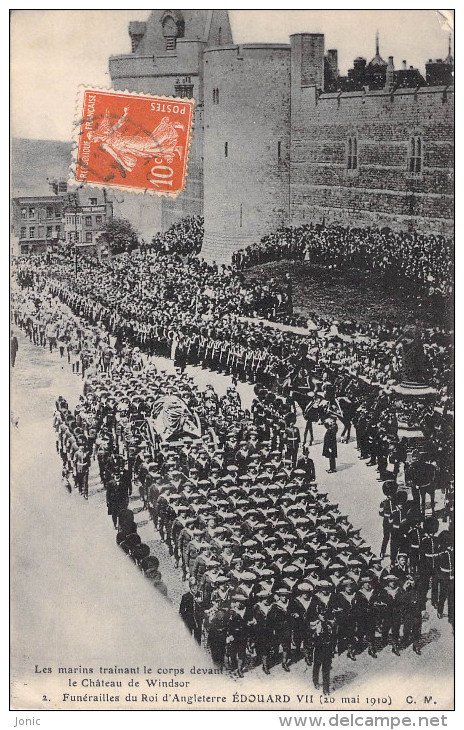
[(352, 153), (415, 155), (173, 28)]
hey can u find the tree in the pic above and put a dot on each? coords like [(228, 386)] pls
[(119, 235)]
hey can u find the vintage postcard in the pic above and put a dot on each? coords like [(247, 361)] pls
[(232, 366)]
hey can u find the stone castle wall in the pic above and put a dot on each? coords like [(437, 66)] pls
[(381, 191)]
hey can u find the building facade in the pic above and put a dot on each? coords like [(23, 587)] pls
[(281, 138), (44, 223), (84, 215), (37, 223)]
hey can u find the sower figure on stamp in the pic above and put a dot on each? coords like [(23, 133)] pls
[(126, 149)]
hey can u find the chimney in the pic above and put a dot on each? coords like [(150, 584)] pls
[(390, 76), (332, 58), (405, 65)]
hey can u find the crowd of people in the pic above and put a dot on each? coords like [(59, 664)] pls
[(424, 262), (184, 238), (274, 569)]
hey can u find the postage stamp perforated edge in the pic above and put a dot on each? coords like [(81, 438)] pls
[(77, 126)]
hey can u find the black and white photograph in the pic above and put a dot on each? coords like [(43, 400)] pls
[(232, 408)]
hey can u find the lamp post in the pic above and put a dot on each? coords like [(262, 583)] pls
[(75, 235)]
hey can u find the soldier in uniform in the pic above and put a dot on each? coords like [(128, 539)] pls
[(386, 508), (346, 617), (330, 444), (264, 636), (187, 607), (446, 576), (280, 625), (392, 603), (412, 606), (324, 638), (238, 631), (366, 612), (429, 553), (292, 439)]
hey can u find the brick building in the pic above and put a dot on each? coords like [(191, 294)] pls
[(281, 138), (85, 213), (44, 223), (37, 223)]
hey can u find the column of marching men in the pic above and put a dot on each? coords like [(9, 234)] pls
[(272, 566)]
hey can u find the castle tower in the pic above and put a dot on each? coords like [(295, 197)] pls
[(167, 59), (247, 145)]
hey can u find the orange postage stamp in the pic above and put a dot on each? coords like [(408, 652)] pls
[(131, 141)]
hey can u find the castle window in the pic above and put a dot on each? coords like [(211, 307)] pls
[(88, 220), (23, 232), (93, 201), (279, 149), (172, 30), (219, 36), (352, 154), (32, 232), (23, 213), (98, 220), (49, 212), (415, 156), (49, 231), (88, 237), (226, 149), (31, 212), (62, 187)]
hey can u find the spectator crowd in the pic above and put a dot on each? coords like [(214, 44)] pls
[(423, 262)]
